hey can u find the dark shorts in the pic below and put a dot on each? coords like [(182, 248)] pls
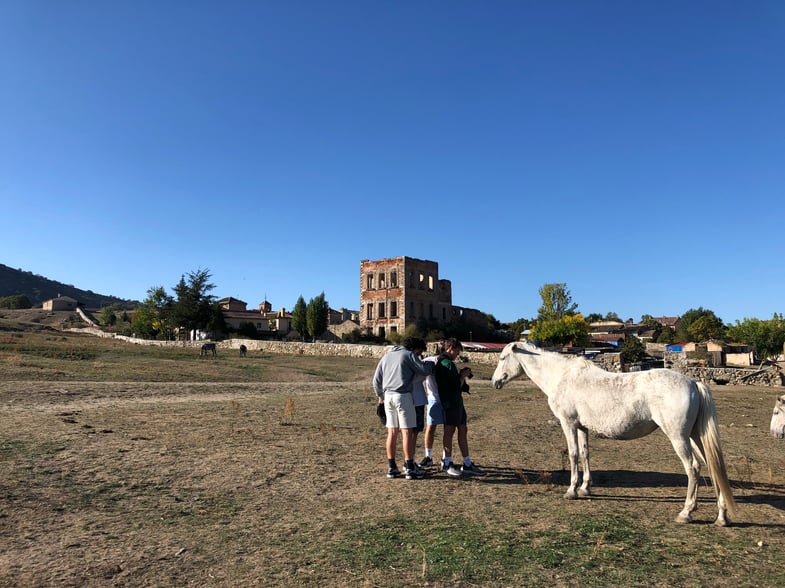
[(455, 416), (420, 410)]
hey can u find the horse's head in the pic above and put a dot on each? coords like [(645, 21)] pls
[(509, 366), (777, 427)]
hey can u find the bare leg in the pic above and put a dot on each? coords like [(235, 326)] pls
[(463, 440), (409, 439), (430, 433), (449, 431), (392, 442)]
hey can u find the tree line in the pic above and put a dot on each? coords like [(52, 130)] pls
[(559, 322)]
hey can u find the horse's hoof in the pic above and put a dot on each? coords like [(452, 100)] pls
[(584, 492), (570, 495), (721, 522), (683, 519)]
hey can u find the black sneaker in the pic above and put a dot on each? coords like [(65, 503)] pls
[(414, 474), (426, 462), (472, 470), (393, 473)]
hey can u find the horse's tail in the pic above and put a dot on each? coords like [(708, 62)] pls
[(708, 428)]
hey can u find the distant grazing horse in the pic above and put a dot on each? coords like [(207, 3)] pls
[(777, 426), (208, 348), (243, 350), (586, 398)]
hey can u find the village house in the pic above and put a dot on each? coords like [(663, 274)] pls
[(60, 303), (266, 321)]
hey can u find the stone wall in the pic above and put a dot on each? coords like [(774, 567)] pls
[(723, 375), (608, 361)]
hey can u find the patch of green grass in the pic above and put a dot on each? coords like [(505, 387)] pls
[(604, 550)]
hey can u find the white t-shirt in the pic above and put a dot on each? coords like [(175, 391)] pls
[(431, 390)]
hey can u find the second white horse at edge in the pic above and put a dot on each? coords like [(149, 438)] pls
[(584, 398)]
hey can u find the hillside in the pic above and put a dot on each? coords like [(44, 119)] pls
[(39, 289)]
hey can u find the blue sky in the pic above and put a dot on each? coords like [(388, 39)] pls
[(632, 150)]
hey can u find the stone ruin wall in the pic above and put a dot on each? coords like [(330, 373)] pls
[(608, 361)]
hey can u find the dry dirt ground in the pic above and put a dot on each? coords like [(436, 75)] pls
[(279, 479)]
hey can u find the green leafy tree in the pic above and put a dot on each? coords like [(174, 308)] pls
[(766, 338), (193, 306), (569, 329), (709, 328), (632, 349), (152, 320), (108, 315), (556, 303), (300, 318), (493, 323), (247, 330), (667, 336), (518, 327), (317, 314), (593, 317), (16, 302), (706, 327), (216, 321), (558, 321)]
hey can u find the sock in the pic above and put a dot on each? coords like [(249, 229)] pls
[(409, 464), (447, 460), (467, 461), (391, 463), (429, 453)]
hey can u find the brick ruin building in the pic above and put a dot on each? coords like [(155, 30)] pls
[(400, 291)]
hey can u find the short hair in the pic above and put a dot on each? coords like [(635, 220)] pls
[(454, 343), (412, 343)]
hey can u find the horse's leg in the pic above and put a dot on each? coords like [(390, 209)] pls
[(571, 435), (722, 507), (683, 447), (583, 451)]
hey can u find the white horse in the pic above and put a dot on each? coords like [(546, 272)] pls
[(586, 398), (777, 426)]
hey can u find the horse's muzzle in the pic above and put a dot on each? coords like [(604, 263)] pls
[(498, 384)]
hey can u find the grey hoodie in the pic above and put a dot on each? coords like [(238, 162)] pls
[(396, 371)]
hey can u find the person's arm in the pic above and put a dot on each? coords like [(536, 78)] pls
[(423, 368), (377, 382)]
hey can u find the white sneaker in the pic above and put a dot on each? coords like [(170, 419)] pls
[(451, 470)]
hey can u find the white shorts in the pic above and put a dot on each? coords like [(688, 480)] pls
[(434, 413), (400, 411)]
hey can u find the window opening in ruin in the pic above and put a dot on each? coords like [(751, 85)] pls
[(430, 310), (430, 283), (394, 279), (381, 310), (411, 279), (393, 329), (381, 281), (444, 314), (393, 308), (369, 311), (381, 332), (421, 284), (422, 309), (369, 282), (411, 309)]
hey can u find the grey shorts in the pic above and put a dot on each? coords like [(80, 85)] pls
[(400, 411)]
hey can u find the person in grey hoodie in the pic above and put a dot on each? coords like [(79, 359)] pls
[(393, 381)]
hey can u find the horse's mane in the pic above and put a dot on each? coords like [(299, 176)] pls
[(578, 361)]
